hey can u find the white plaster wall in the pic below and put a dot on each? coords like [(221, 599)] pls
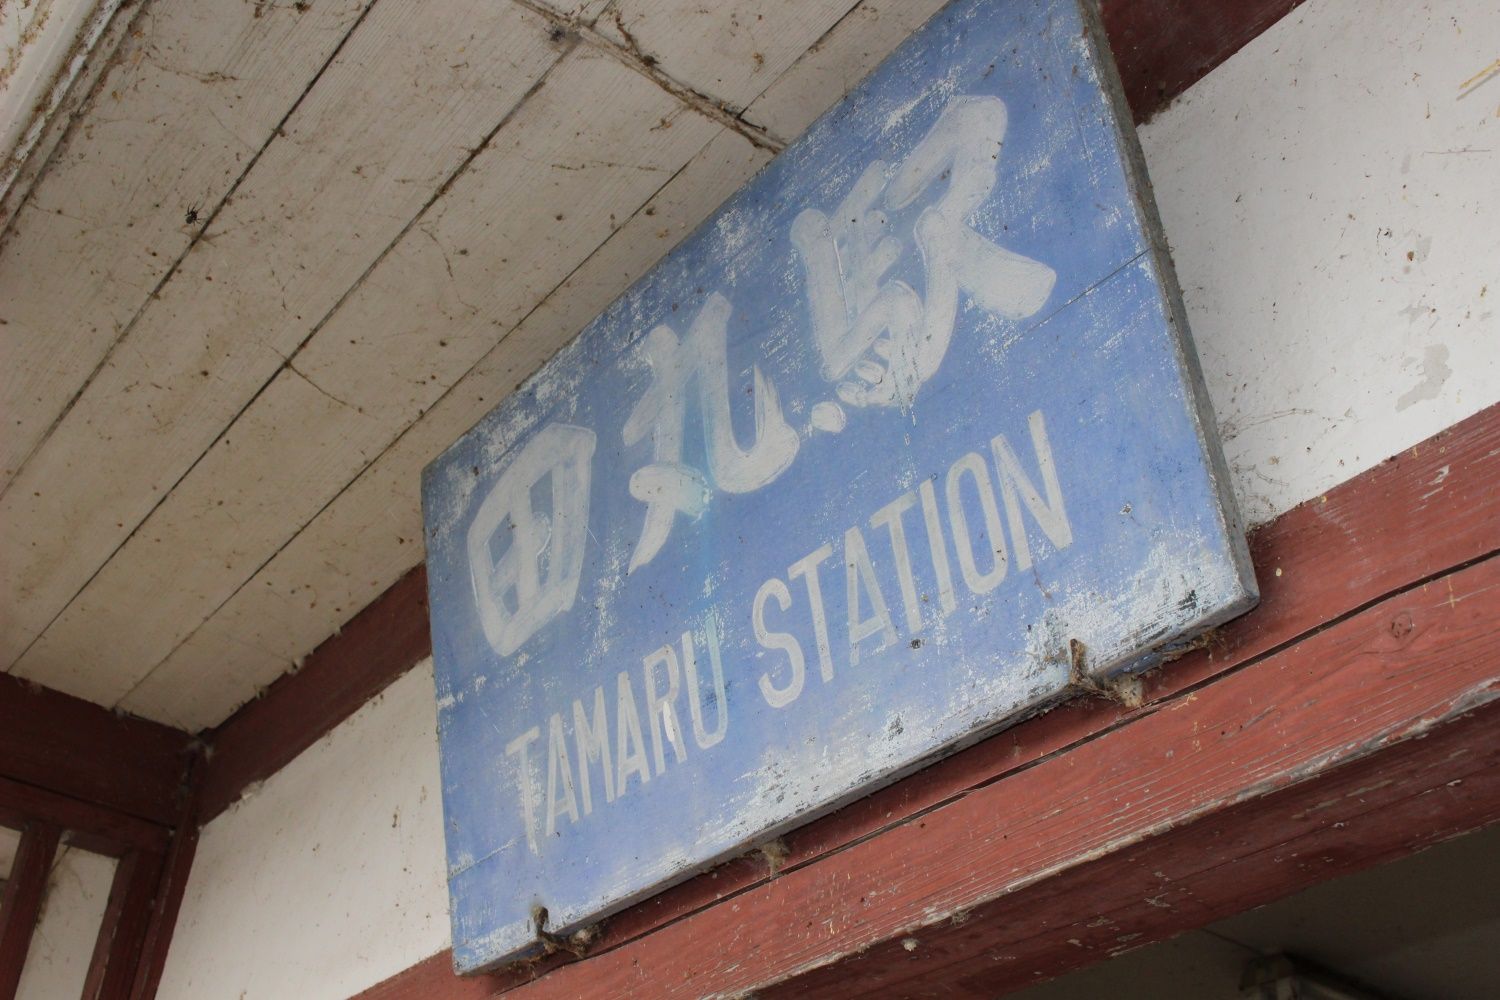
[(330, 876), (1332, 195), (62, 946)]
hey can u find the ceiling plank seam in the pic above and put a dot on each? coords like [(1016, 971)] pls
[(567, 45), (197, 237), (200, 237), (649, 66), (539, 313), (396, 441), (262, 622)]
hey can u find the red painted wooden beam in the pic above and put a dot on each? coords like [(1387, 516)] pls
[(92, 827), (1163, 47), (21, 902), (114, 783), (169, 892), (76, 748), (117, 948), (1306, 835), (1374, 716)]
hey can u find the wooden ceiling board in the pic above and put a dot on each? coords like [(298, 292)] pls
[(425, 229), (726, 52), (187, 100), (370, 534), (837, 61), (359, 158), (155, 588), (526, 209)]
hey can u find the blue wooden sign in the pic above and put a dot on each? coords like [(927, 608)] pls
[(902, 439)]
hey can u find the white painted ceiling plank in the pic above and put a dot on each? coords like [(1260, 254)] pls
[(370, 534), (96, 648), (582, 11), (180, 545), (361, 156), (727, 52), (511, 228), (186, 102), (840, 60)]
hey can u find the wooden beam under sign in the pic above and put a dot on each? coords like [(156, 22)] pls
[(1090, 916), (1371, 740)]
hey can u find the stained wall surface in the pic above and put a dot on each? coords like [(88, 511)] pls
[(1329, 195), (329, 877)]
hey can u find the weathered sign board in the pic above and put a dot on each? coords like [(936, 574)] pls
[(898, 442)]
